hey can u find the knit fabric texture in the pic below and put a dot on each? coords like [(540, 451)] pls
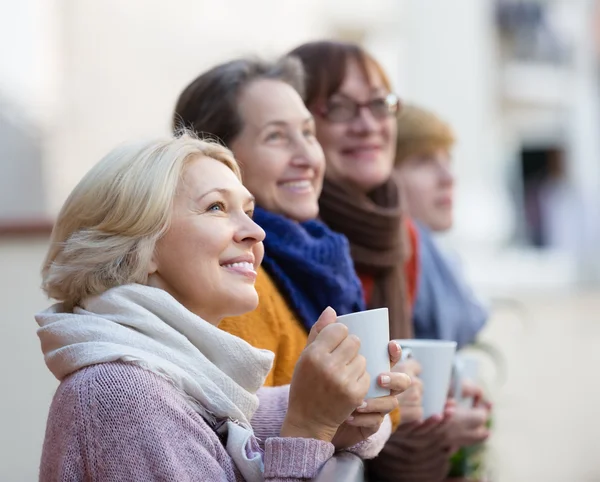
[(311, 265), (272, 326), (373, 224), (411, 268), (117, 422), (269, 417)]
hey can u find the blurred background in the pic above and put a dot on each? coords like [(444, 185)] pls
[(519, 82)]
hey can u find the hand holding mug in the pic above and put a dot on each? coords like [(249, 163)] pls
[(366, 419), (329, 382), (411, 401)]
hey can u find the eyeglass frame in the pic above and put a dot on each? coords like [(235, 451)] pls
[(394, 106)]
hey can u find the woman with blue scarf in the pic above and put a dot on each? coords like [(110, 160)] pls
[(256, 109)]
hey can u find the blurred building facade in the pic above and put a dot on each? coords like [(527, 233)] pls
[(517, 79)]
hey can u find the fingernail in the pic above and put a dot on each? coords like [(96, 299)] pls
[(362, 405), (385, 380), (350, 418), (398, 346)]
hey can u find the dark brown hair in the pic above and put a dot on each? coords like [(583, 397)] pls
[(325, 63), (208, 106)]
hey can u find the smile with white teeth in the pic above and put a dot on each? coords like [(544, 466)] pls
[(303, 185), (243, 265)]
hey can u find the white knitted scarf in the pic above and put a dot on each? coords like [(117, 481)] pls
[(218, 372)]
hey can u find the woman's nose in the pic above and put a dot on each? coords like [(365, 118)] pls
[(364, 121), (252, 232)]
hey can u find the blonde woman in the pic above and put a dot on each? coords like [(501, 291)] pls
[(150, 251)]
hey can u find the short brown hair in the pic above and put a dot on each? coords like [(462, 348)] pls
[(420, 131), (325, 63), (209, 105)]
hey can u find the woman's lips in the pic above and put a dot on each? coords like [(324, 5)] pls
[(367, 153), (445, 202), (297, 186), (243, 268)]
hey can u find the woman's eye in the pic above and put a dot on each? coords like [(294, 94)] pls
[(218, 206), (275, 136), (309, 133), (337, 108), (250, 213)]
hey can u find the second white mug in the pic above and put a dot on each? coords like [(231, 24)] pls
[(436, 358)]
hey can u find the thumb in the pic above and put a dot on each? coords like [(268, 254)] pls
[(328, 317)]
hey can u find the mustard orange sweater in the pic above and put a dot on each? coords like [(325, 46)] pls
[(272, 326)]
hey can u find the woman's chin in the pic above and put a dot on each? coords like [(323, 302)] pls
[(369, 178), (301, 212), (240, 305)]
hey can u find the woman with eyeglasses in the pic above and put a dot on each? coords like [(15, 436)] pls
[(355, 111)]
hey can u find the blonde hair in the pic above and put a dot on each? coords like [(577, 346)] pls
[(420, 131), (107, 229)]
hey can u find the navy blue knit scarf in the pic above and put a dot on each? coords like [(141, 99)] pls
[(311, 265)]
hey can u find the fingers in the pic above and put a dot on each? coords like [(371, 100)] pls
[(413, 395), (396, 382), (411, 367), (356, 368), (395, 353), (347, 350), (473, 437), (330, 337), (468, 426), (328, 317), (381, 405), (356, 379), (485, 404), (369, 421), (474, 418), (432, 424), (471, 390), (411, 414)]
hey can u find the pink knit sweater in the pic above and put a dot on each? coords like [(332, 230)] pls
[(118, 422)]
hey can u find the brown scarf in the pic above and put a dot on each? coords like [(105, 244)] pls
[(373, 225)]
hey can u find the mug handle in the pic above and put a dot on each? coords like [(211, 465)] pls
[(406, 354), (457, 379)]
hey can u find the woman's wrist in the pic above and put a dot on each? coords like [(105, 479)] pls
[(304, 429)]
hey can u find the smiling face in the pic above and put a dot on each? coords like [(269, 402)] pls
[(428, 185), (281, 160), (360, 151), (208, 258)]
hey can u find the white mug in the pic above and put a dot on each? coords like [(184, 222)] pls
[(436, 358), (373, 330)]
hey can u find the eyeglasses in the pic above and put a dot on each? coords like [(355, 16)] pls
[(345, 110)]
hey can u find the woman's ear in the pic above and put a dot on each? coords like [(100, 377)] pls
[(152, 264), (152, 269)]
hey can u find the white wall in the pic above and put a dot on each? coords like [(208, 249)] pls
[(27, 385), (126, 62)]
